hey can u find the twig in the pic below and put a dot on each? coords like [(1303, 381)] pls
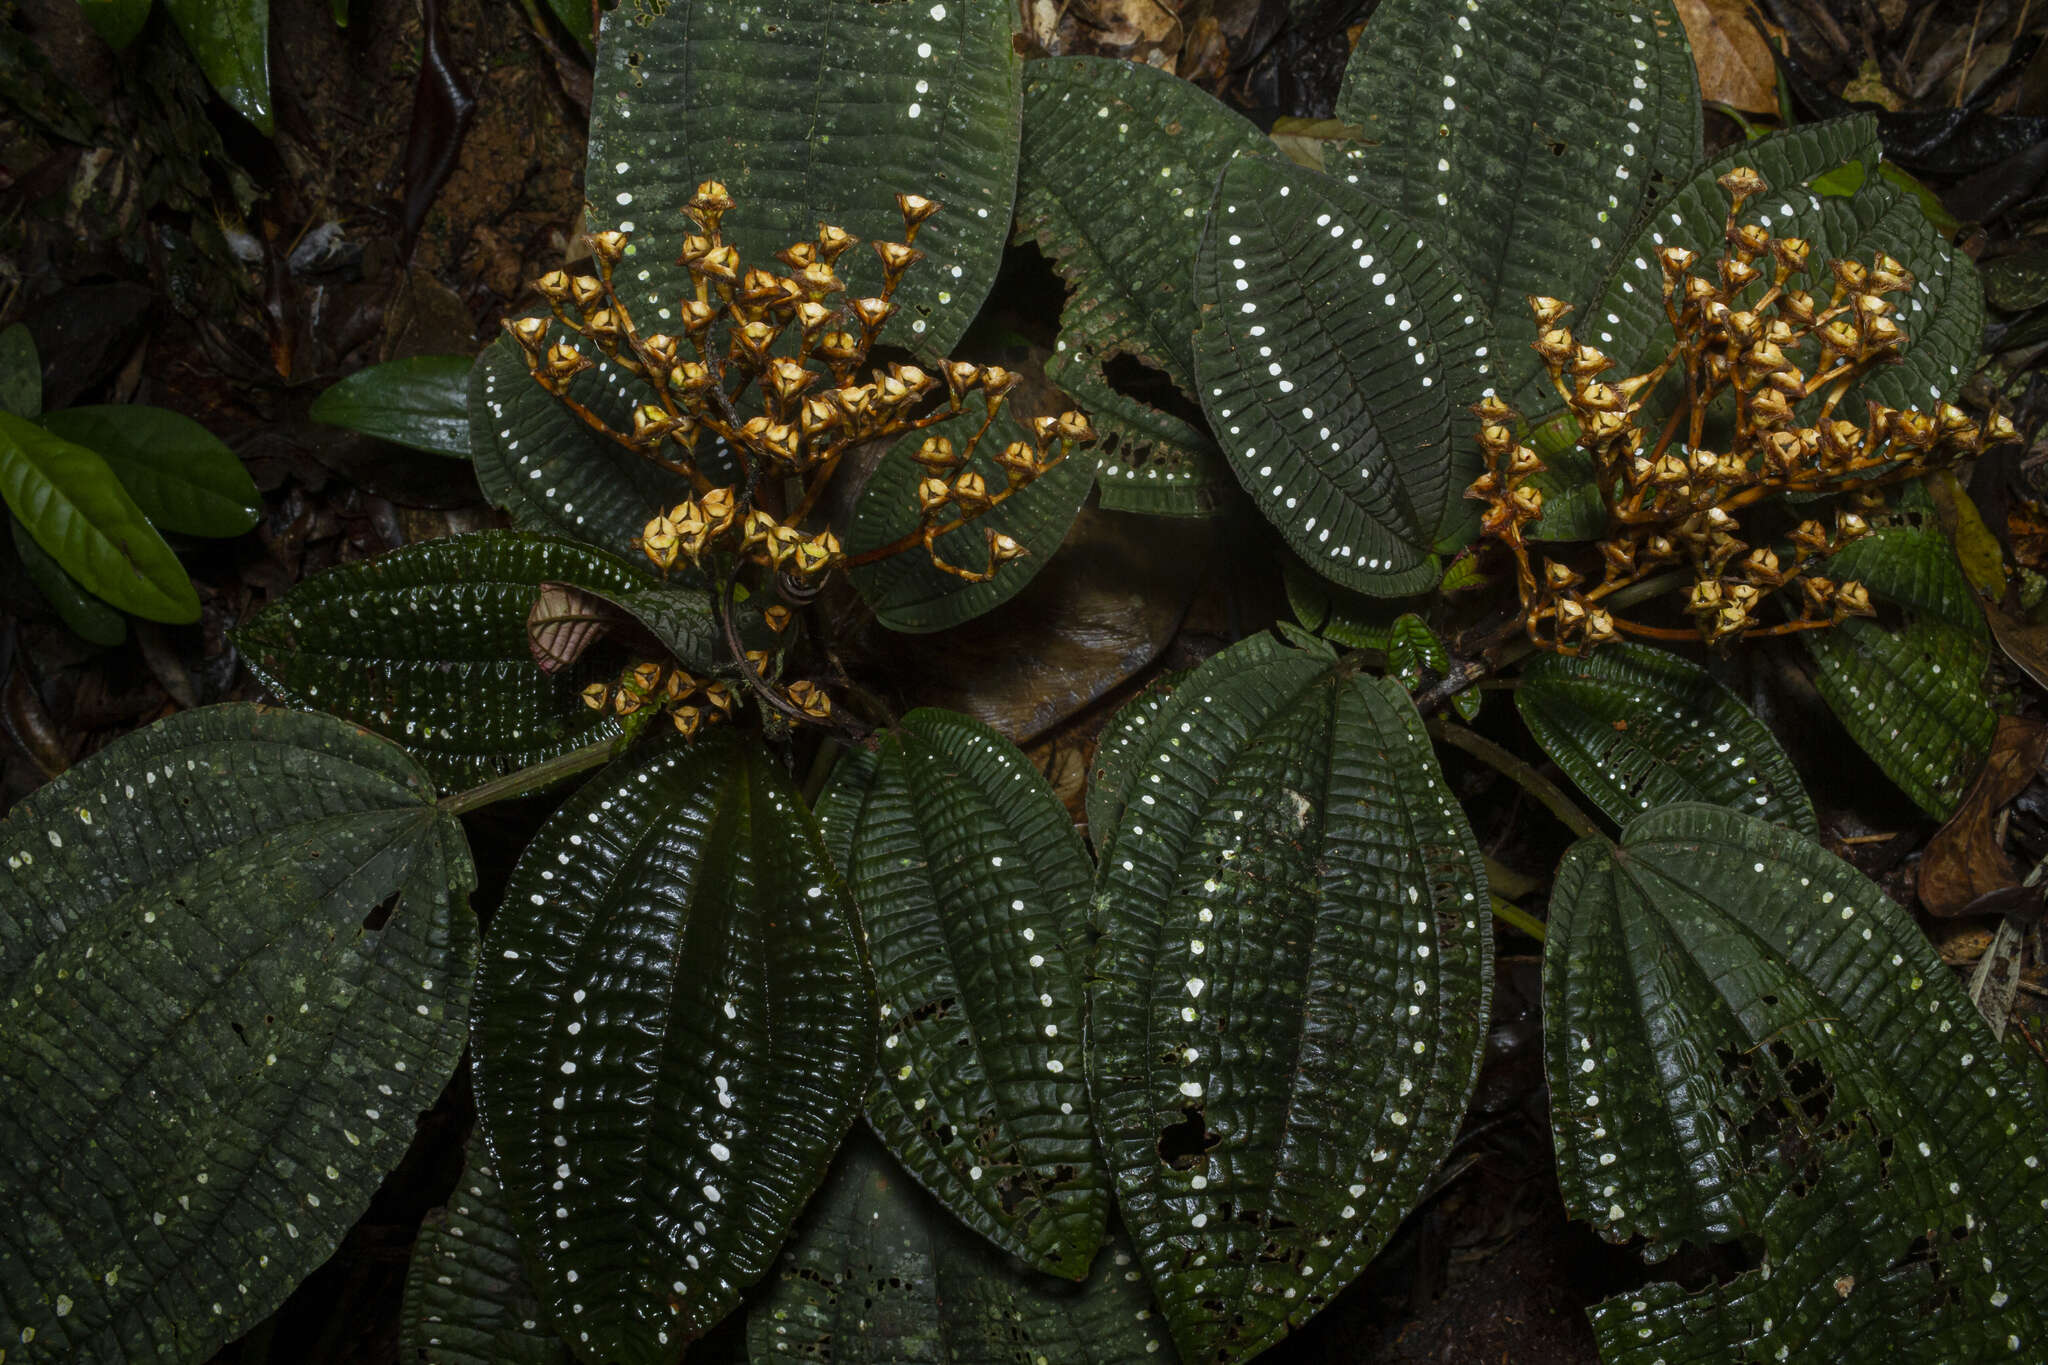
[(1548, 793)]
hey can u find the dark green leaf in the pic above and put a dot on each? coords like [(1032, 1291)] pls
[(676, 1007), (812, 112), (1150, 462), (421, 402), (428, 645), (1338, 355), (21, 373), (178, 472), (879, 1275), (907, 593), (839, 806), (74, 507), (1527, 138), (231, 39), (575, 16), (209, 1061), (467, 1298), (1746, 1038), (118, 22), (974, 890), (87, 616), (1289, 996), (1637, 727)]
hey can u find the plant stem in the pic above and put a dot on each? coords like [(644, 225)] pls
[(531, 779), (1517, 918), (1548, 793)]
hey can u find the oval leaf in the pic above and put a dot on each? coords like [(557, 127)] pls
[(674, 1006), (428, 645), (1637, 727), (922, 98), (178, 472), (87, 616), (209, 1061), (1746, 1038), (231, 39), (1337, 356), (880, 1275), (75, 508), (421, 402), (974, 890), (1289, 995)]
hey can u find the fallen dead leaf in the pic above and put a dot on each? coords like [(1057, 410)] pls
[(1965, 860), (1734, 61)]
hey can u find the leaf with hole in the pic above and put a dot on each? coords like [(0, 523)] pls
[(1289, 996), (421, 402), (236, 948), (1636, 727), (1149, 462), (675, 1026), (179, 473), (428, 645), (974, 891), (1338, 356), (1747, 1039)]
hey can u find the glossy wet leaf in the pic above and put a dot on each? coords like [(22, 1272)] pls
[(421, 402), (427, 644), (1338, 354), (467, 1298), (1526, 138), (71, 503), (21, 373), (231, 39), (179, 473), (1288, 1000), (675, 1027), (879, 1274), (812, 113), (210, 1061), (974, 891), (85, 615), (1636, 728), (1746, 1038), (905, 590), (1910, 692)]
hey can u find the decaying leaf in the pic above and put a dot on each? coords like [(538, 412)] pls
[(1966, 859), (564, 622)]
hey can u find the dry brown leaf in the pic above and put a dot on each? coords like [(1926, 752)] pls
[(1964, 860), (1733, 59)]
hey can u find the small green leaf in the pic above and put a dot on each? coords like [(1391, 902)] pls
[(467, 1298), (421, 402), (1338, 356), (74, 507), (575, 17), (21, 373), (1637, 727), (974, 891), (231, 39), (88, 617), (118, 22), (1748, 1039), (675, 1004), (210, 1061), (178, 472)]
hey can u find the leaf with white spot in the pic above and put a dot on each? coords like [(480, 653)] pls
[(1289, 996), (878, 1274), (427, 645), (813, 112), (674, 1029), (1637, 727), (1747, 1039), (1150, 462), (467, 1298), (210, 1057), (1527, 137), (974, 890), (1911, 694), (1338, 356)]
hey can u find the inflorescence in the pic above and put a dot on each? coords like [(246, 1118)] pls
[(774, 367), (1778, 362)]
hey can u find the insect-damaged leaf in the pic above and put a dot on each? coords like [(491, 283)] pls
[(1746, 1038), (1338, 355), (974, 891), (1637, 727), (1289, 994), (813, 112), (1525, 138), (209, 1061), (675, 1026), (878, 1274), (428, 645)]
